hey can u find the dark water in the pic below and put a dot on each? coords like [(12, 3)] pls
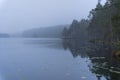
[(55, 59)]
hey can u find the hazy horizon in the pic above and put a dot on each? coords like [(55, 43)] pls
[(19, 15)]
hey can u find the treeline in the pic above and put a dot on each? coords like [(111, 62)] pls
[(77, 30), (105, 22), (45, 32), (4, 35), (102, 25)]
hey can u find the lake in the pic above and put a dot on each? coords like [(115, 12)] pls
[(53, 59)]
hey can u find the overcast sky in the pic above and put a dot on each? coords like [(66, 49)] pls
[(19, 15)]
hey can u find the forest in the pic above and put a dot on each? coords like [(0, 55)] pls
[(102, 25)]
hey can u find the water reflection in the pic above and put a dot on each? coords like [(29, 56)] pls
[(103, 63), (54, 43), (41, 59), (76, 47)]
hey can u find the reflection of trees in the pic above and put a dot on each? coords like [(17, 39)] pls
[(102, 61), (76, 47)]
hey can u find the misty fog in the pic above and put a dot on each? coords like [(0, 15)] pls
[(59, 39), (20, 15)]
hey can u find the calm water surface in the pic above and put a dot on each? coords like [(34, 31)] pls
[(44, 59)]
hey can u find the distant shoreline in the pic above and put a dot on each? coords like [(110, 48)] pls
[(4, 35)]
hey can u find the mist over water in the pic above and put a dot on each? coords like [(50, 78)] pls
[(52, 59), (59, 40), (36, 59), (20, 15)]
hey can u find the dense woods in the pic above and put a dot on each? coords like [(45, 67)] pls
[(102, 25), (77, 30)]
